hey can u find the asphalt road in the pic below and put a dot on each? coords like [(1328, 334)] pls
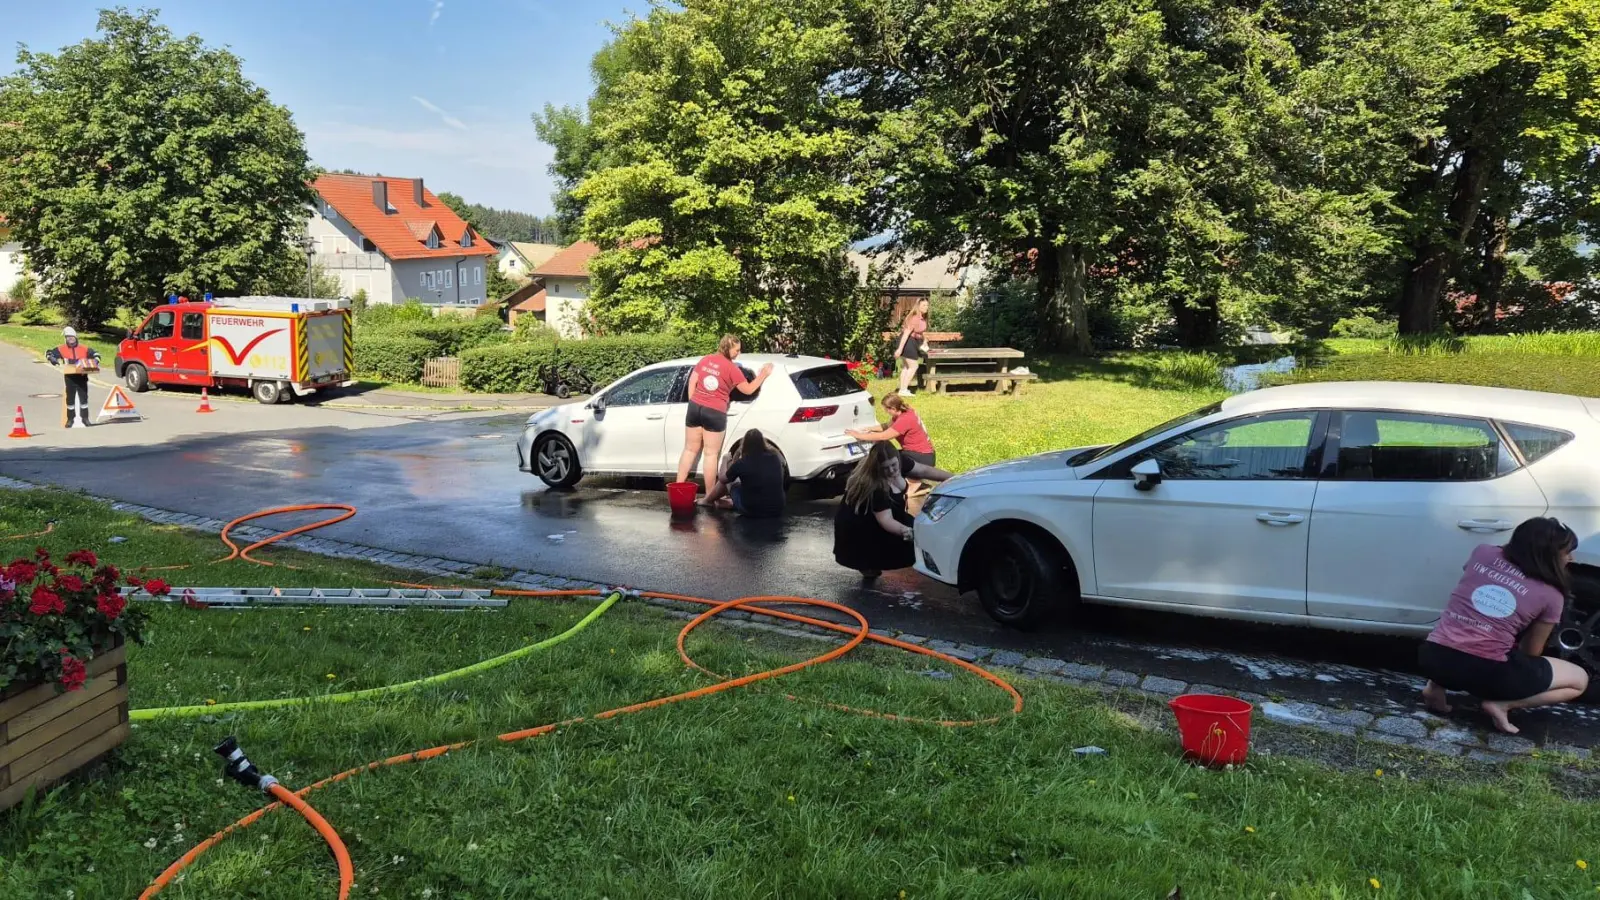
[(446, 484)]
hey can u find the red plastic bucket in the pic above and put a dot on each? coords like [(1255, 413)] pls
[(681, 496), (1213, 730)]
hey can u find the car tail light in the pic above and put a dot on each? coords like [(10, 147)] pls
[(813, 413)]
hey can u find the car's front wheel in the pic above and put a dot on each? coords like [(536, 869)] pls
[(555, 461), (1023, 579), (136, 377)]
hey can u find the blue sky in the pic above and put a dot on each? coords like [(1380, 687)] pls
[(441, 89)]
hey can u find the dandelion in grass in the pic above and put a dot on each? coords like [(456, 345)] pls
[(1377, 773), (1583, 866), (331, 676), (211, 701), (1376, 884), (1249, 829)]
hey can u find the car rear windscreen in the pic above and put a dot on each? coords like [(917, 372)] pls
[(824, 382)]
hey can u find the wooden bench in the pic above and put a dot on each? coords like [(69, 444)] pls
[(1004, 382)]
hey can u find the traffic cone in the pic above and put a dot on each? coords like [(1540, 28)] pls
[(19, 428), (205, 402)]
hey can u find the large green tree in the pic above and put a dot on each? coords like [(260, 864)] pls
[(137, 163), (734, 175), (1517, 148), (1231, 160)]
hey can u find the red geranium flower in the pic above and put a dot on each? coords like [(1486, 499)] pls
[(69, 584), (110, 605), (73, 672), (22, 572), (155, 587), (82, 558), (45, 602), (41, 554)]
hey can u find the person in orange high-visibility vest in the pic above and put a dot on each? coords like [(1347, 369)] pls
[(82, 359)]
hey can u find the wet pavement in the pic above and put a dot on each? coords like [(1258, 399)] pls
[(447, 485)]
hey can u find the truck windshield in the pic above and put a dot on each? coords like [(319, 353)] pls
[(1096, 454)]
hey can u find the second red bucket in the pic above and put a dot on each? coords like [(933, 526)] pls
[(680, 496), (1213, 730)]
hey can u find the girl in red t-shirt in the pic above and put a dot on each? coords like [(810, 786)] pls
[(904, 426), (913, 344), (711, 387)]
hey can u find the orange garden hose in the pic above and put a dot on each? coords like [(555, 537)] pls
[(856, 636)]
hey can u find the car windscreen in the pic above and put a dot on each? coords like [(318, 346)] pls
[(824, 382), (1092, 456)]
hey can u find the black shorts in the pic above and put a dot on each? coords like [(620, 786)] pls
[(707, 418), (1519, 677), (912, 455), (912, 352)]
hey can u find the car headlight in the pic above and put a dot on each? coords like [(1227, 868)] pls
[(939, 506)]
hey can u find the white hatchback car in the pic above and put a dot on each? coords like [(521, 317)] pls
[(1339, 505), (635, 425)]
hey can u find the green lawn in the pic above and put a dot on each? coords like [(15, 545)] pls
[(40, 338), (743, 794)]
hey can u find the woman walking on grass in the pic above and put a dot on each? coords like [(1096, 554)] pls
[(711, 387), (906, 427), (871, 529), (1491, 638), (913, 346)]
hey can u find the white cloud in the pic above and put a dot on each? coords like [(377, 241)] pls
[(444, 117), (438, 10)]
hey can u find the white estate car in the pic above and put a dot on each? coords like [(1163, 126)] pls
[(1339, 505), (635, 425)]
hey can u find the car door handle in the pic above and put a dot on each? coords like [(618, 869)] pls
[(1279, 520), (656, 418), (1485, 526)]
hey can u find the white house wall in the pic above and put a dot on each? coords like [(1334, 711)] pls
[(564, 301), (11, 267)]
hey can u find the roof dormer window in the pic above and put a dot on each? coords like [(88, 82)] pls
[(433, 240), (466, 237)]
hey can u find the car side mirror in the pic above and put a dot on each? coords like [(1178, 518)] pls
[(1146, 475), (598, 404), (130, 335)]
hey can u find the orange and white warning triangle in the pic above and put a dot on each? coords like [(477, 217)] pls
[(118, 407)]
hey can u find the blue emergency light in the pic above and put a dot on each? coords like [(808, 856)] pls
[(172, 299), (208, 296), (294, 307)]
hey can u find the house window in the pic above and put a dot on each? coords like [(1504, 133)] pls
[(367, 246), (427, 280), (449, 278), (424, 280), (466, 238), (463, 276), (555, 287), (477, 275), (433, 240)]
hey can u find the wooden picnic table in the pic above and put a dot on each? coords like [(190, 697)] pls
[(974, 365)]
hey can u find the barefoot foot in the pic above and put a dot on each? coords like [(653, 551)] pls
[(1435, 698), (1497, 713)]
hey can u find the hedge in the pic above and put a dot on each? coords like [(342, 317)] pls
[(514, 367), (392, 356), (453, 334)]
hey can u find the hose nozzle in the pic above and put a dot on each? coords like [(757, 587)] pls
[(237, 766)]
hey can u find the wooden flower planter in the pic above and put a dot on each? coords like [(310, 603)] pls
[(46, 736)]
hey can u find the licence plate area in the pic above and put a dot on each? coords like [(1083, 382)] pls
[(855, 450)]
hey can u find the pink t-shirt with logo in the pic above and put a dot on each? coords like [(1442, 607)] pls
[(713, 380), (1492, 605)]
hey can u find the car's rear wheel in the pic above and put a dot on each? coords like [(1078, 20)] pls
[(555, 461), (1577, 638), (1023, 579)]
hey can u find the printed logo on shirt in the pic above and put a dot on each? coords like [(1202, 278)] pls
[(710, 382), (1494, 601)]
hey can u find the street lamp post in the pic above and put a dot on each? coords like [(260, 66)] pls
[(309, 247)]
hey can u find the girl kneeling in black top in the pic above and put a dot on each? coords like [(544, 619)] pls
[(754, 479), (872, 530)]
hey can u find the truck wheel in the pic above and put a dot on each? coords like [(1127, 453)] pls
[(136, 378), (268, 392)]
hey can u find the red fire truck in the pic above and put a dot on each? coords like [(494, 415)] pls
[(274, 347)]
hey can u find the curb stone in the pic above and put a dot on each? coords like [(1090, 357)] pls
[(1421, 731)]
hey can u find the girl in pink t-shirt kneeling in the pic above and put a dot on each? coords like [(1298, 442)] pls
[(1491, 636)]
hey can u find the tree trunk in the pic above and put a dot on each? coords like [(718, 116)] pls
[(1063, 287), (1435, 250), (1492, 289)]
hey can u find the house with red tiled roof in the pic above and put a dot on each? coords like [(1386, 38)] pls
[(566, 286), (394, 239)]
